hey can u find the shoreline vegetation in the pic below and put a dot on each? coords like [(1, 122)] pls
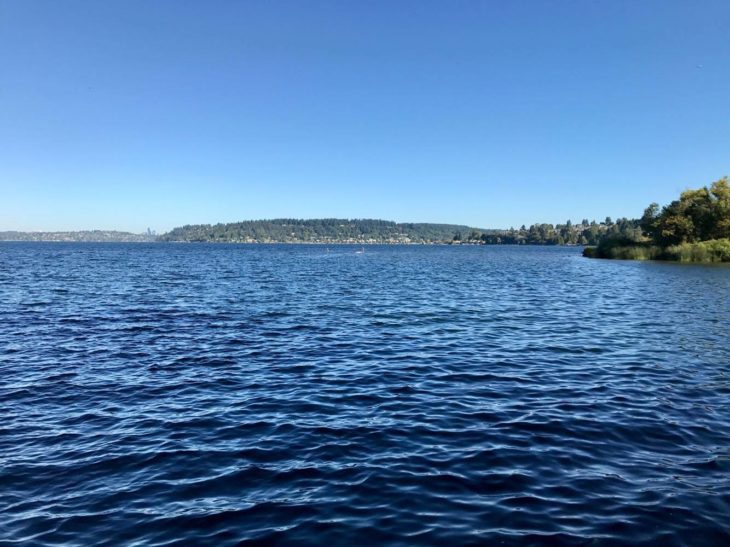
[(693, 228)]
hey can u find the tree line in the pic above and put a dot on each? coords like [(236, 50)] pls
[(585, 233)]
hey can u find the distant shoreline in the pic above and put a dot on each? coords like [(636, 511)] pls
[(334, 231), (312, 243), (82, 236)]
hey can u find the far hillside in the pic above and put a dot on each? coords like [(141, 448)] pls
[(363, 231), (317, 231)]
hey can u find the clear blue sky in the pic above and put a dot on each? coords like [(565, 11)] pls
[(128, 114)]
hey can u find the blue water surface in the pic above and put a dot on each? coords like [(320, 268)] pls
[(164, 394)]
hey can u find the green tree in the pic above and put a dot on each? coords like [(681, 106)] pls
[(650, 220), (720, 191)]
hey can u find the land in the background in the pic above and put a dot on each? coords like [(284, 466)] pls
[(101, 236)]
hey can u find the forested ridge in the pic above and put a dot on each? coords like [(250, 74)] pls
[(329, 230), (383, 231)]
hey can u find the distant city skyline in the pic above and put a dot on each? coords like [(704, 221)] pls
[(124, 115)]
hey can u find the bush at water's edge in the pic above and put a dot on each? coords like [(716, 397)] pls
[(714, 250)]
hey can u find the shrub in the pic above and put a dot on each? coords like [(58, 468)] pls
[(634, 252), (622, 247), (714, 250)]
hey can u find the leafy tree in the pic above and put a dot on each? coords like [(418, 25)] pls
[(720, 191)]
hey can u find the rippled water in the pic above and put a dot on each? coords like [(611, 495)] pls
[(152, 394)]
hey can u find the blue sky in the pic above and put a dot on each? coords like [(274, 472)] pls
[(134, 114)]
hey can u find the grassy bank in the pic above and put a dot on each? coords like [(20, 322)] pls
[(714, 250)]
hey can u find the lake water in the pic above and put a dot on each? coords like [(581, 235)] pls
[(162, 393)]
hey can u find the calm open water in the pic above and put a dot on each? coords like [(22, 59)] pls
[(192, 394)]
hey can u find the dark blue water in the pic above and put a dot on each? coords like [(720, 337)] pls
[(193, 394)]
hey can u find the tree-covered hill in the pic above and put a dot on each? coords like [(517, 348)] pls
[(382, 231), (328, 230)]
